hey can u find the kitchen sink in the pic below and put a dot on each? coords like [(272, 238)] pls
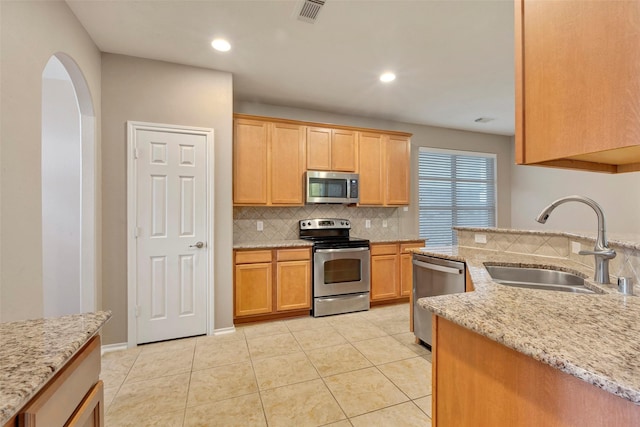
[(538, 278)]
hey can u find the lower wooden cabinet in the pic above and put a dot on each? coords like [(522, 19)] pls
[(269, 283), (392, 271), (480, 382), (74, 397)]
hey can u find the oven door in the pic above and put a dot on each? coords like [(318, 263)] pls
[(341, 271)]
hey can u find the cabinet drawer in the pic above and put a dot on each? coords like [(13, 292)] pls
[(250, 257), (293, 254), (405, 246), (384, 249)]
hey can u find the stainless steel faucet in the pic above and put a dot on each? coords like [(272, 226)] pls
[(601, 251)]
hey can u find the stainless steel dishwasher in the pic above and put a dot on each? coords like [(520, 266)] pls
[(433, 276)]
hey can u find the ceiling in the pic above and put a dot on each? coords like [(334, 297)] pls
[(453, 59)]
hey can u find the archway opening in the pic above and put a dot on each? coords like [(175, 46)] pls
[(68, 190)]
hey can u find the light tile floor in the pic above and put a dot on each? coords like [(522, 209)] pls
[(357, 369)]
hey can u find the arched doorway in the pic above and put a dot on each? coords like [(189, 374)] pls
[(68, 190)]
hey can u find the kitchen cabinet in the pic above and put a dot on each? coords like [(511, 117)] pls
[(271, 283), (268, 163), (577, 90), (472, 374), (384, 168), (73, 397), (253, 283), (392, 271), (331, 149)]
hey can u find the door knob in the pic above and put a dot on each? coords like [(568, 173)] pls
[(198, 245)]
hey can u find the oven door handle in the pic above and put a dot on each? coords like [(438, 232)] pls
[(436, 267), (341, 250)]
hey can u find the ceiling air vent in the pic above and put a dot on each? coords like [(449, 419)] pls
[(307, 10)]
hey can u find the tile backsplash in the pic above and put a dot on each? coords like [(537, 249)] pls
[(626, 263), (281, 223)]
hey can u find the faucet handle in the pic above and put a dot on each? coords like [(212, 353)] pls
[(606, 254)]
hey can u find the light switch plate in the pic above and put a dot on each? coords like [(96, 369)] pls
[(481, 238), (384, 223), (367, 223), (575, 247), (259, 225)]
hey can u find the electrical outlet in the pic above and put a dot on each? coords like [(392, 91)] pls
[(575, 247), (384, 223), (260, 225), (367, 223), (405, 209), (480, 238)]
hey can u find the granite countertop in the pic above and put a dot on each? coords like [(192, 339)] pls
[(305, 243), (594, 337), (397, 239), (32, 351), (269, 244)]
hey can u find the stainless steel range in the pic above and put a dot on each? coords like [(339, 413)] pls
[(341, 266)]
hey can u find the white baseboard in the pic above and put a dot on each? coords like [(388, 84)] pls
[(107, 348), (224, 331)]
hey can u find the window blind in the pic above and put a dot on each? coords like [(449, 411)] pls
[(455, 189)]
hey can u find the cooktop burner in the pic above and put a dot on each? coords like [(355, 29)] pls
[(330, 233)]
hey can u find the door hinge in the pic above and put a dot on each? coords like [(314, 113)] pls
[(135, 152), (137, 310), (137, 232)]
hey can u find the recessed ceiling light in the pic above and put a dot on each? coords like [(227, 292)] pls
[(221, 45), (387, 77)]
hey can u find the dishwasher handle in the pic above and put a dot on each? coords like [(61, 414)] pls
[(436, 267)]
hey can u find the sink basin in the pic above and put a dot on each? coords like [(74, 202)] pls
[(538, 278)]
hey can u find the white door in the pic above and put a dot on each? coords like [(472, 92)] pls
[(171, 245)]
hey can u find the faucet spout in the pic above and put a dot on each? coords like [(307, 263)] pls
[(601, 251)]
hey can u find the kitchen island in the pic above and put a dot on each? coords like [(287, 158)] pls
[(40, 357), (592, 337)]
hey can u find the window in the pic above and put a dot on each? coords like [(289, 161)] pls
[(455, 188)]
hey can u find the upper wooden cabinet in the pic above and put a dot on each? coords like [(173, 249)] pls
[(384, 168), (250, 162), (268, 163), (271, 155), (577, 84), (331, 149)]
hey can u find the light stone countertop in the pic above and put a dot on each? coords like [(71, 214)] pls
[(32, 351), (270, 244), (273, 244), (594, 337)]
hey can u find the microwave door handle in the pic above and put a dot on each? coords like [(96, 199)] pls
[(342, 250)]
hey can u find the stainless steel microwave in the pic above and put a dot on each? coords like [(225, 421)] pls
[(332, 187)]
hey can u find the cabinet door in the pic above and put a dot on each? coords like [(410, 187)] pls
[(90, 413), (293, 285), (406, 275), (343, 150), (370, 168), (406, 268), (318, 149), (384, 277), (577, 66), (250, 162), (253, 287), (287, 164), (397, 171)]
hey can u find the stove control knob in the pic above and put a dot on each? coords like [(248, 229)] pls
[(341, 222), (347, 223), (309, 223)]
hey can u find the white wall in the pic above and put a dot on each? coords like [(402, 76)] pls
[(534, 187), (423, 136), (30, 33), (61, 175), (160, 92)]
